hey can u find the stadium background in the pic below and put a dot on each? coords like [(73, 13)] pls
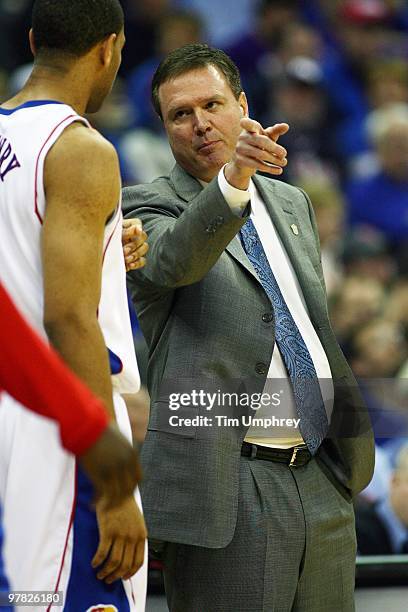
[(337, 72)]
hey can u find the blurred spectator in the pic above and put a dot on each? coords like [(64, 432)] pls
[(174, 29), (328, 205), (271, 19), (141, 24), (382, 528), (381, 200), (357, 302), (299, 39), (298, 98), (388, 83), (379, 485), (379, 349), (255, 49), (365, 254), (365, 35), (145, 149), (224, 21), (397, 304)]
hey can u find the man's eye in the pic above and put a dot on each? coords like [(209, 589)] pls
[(212, 105), (180, 114)]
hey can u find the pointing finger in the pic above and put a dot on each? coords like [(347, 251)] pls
[(277, 130)]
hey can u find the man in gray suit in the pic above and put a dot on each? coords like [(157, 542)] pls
[(248, 517)]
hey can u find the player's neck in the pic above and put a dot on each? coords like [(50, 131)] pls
[(46, 83)]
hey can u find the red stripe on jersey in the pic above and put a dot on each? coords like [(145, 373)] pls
[(37, 212), (112, 234), (70, 524)]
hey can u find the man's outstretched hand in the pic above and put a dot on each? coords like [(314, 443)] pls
[(256, 149), (113, 466)]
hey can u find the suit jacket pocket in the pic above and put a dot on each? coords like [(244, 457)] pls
[(182, 421)]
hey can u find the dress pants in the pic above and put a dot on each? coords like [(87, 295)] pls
[(293, 549)]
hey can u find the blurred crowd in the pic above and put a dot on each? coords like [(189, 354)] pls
[(337, 72)]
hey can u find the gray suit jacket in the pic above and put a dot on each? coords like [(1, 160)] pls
[(200, 307)]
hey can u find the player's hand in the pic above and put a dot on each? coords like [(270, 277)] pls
[(134, 241), (256, 149), (113, 466), (122, 537)]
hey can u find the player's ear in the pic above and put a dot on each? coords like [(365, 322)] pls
[(106, 49), (32, 42)]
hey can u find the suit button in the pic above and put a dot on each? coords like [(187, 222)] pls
[(267, 317), (260, 368), (219, 220)]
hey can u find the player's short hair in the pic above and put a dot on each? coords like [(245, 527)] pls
[(193, 57), (74, 26)]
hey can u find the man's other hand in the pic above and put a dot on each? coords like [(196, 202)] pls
[(134, 241), (113, 466)]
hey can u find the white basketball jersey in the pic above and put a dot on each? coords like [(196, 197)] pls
[(48, 544), (27, 133)]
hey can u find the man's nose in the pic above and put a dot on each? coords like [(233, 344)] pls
[(201, 122)]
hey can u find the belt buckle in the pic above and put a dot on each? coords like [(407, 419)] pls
[(293, 458)]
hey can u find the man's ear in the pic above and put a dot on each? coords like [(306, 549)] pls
[(243, 104), (32, 42), (106, 49)]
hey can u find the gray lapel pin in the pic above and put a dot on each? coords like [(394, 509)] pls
[(294, 229)]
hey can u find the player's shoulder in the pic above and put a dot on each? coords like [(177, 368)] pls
[(81, 146), (80, 137)]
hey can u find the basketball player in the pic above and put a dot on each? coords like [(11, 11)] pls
[(34, 376), (59, 211), (38, 379)]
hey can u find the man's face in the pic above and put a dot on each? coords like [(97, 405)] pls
[(202, 120), (393, 152)]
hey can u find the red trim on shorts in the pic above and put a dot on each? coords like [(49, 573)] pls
[(132, 591), (71, 522), (36, 211)]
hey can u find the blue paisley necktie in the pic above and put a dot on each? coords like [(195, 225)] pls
[(296, 357)]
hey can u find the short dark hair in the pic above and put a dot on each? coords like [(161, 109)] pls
[(74, 26), (193, 57)]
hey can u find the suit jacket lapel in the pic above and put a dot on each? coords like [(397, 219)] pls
[(283, 215), (236, 250)]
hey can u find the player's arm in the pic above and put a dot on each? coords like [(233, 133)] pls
[(82, 186), (82, 183), (35, 376)]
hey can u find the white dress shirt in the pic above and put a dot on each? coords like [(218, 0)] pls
[(278, 379)]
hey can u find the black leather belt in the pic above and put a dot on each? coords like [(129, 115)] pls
[(293, 457)]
